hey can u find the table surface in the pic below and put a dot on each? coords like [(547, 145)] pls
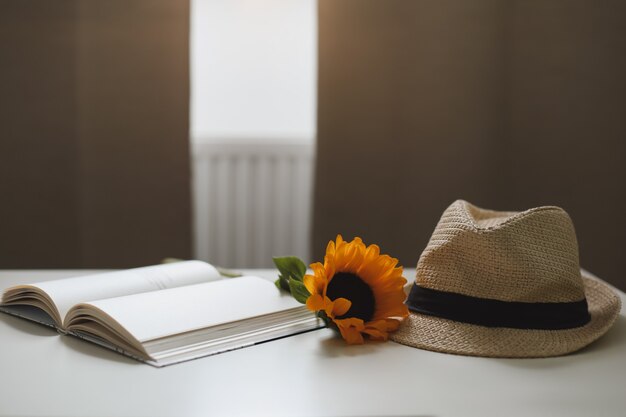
[(316, 374)]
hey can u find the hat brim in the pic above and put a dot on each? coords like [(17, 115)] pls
[(447, 336)]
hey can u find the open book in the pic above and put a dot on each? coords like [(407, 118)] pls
[(163, 314)]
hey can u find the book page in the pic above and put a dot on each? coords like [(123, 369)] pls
[(152, 315), (70, 291)]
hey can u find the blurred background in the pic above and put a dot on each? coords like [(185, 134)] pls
[(234, 131)]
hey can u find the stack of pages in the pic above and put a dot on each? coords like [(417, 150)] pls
[(163, 314)]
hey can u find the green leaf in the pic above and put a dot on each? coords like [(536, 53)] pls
[(282, 283), (327, 321), (290, 267), (298, 290)]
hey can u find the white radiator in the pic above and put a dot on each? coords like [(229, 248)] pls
[(252, 202)]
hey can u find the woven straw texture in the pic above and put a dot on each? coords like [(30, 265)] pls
[(530, 256)]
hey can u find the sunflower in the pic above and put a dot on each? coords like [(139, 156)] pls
[(357, 289)]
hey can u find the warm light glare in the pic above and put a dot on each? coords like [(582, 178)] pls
[(253, 69)]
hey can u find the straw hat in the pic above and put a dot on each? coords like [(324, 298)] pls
[(505, 284)]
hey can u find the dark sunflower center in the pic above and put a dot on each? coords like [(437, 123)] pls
[(351, 287)]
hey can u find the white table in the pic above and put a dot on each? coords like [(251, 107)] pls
[(44, 374)]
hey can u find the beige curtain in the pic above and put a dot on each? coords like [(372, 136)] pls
[(94, 157), (507, 104)]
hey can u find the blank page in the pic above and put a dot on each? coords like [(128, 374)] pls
[(70, 291), (152, 315)]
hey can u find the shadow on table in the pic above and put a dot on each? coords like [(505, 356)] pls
[(27, 326), (335, 347), (74, 343)]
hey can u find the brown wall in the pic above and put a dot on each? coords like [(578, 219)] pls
[(94, 157), (508, 105)]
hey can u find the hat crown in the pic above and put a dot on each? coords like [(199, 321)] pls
[(529, 256)]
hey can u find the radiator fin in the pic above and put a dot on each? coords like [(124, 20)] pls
[(252, 202)]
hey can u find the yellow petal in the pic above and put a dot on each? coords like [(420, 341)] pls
[(380, 329), (315, 283), (315, 302), (328, 307), (376, 334), (399, 310), (392, 325), (372, 252), (351, 330), (354, 259), (330, 248), (352, 336), (382, 325), (329, 267), (377, 324), (309, 283), (341, 306)]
